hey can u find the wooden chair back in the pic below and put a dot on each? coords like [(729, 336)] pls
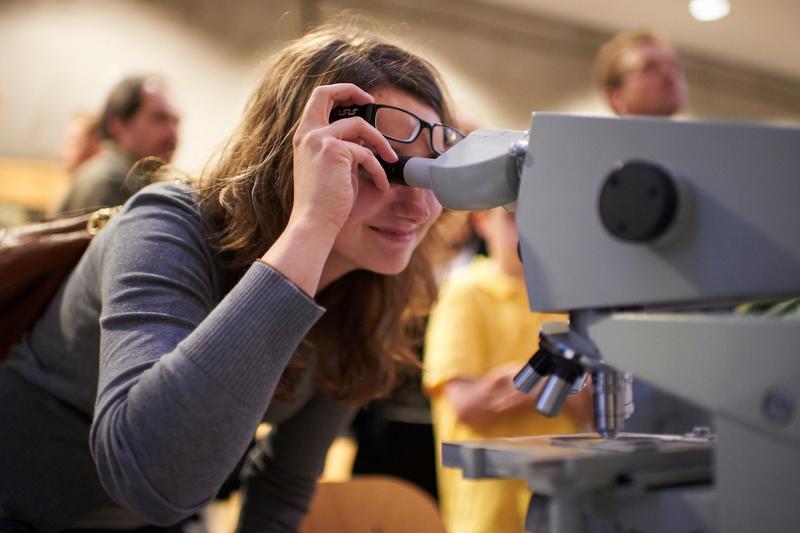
[(372, 504)]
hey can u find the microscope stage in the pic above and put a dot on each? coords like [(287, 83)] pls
[(586, 461)]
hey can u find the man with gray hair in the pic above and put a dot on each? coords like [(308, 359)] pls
[(138, 120)]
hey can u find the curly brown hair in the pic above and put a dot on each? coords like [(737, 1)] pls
[(372, 323)]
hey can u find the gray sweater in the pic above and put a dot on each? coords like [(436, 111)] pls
[(144, 383)]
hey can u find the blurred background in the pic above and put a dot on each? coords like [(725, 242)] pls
[(501, 58)]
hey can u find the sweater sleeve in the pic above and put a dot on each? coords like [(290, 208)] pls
[(183, 382), (280, 473)]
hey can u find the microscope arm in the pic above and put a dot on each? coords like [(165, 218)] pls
[(738, 366)]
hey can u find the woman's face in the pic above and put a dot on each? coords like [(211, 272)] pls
[(384, 228)]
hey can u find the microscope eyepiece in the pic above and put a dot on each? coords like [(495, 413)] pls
[(394, 171)]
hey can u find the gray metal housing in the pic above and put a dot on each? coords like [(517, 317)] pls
[(737, 232)]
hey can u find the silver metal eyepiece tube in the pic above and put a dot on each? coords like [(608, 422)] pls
[(526, 379), (553, 396), (613, 401), (534, 370)]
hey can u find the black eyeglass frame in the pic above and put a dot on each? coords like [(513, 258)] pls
[(370, 111)]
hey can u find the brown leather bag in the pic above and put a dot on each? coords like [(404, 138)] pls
[(34, 261)]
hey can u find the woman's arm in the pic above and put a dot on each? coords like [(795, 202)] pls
[(183, 384)]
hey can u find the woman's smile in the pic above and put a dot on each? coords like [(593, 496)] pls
[(396, 234)]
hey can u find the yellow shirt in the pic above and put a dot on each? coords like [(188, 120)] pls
[(482, 320)]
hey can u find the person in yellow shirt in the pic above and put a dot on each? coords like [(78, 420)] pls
[(479, 335)]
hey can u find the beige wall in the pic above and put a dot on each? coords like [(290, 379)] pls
[(62, 55)]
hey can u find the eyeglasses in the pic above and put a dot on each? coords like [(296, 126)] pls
[(653, 68), (399, 125)]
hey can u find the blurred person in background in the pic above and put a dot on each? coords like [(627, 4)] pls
[(639, 74), (139, 120), (480, 334), (81, 141)]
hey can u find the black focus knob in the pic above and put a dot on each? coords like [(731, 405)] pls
[(638, 201)]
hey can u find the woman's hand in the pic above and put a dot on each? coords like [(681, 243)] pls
[(327, 157)]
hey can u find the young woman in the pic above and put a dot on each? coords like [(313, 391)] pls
[(282, 283)]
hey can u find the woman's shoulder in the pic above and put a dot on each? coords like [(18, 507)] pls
[(163, 210), (176, 193), (162, 224), (165, 201)]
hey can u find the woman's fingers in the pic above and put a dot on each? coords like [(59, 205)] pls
[(366, 160), (326, 97), (329, 157), (356, 129)]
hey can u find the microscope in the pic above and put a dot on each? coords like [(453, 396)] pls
[(648, 232)]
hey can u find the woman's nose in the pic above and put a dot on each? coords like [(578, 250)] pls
[(412, 203)]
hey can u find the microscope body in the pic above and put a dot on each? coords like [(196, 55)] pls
[(733, 235), (648, 231)]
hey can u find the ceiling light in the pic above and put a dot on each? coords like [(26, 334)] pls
[(708, 10)]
